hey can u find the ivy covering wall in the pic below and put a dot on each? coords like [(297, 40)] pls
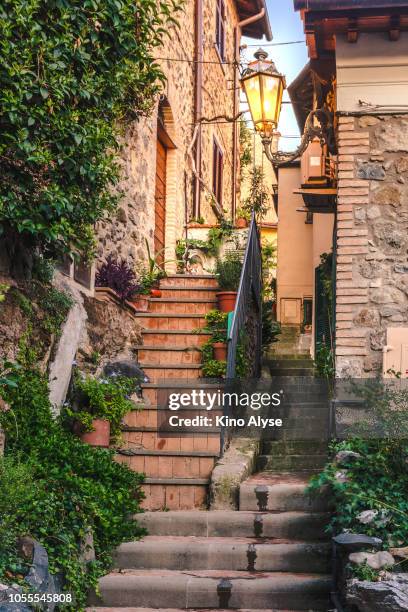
[(71, 73)]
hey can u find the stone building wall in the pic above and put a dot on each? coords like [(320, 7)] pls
[(372, 239), (124, 233)]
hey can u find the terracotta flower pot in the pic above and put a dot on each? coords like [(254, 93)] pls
[(226, 300), (100, 435), (241, 223), (220, 351), (141, 303), (155, 293)]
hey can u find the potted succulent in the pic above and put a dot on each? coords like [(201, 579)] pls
[(228, 273), (98, 408)]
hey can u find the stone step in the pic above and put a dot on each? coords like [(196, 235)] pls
[(170, 321), (272, 355), (105, 609), (191, 305), (175, 493), (155, 440), (159, 354), (229, 523), (292, 371), (301, 362), (210, 553), (283, 492), (169, 464), (201, 292), (295, 447), (290, 463), (156, 391), (214, 589), (175, 337), (189, 281), (164, 371)]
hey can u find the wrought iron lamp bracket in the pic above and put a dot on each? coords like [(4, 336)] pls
[(324, 131)]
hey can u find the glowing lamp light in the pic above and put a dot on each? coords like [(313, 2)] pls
[(263, 86)]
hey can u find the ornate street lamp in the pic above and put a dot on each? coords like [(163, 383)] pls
[(263, 86)]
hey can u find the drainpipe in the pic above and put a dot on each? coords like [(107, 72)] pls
[(235, 103), (199, 54)]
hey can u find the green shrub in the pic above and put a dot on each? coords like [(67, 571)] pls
[(62, 488), (71, 73), (228, 271), (101, 399)]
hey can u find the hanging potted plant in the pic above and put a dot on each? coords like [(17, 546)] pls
[(98, 408), (228, 273)]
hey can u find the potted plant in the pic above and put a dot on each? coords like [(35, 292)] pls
[(116, 280), (151, 275), (215, 348), (242, 218), (228, 273), (220, 351), (98, 408)]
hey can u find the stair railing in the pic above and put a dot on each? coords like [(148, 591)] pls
[(249, 292)]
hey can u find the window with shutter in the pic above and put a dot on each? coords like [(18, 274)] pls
[(220, 28), (218, 162)]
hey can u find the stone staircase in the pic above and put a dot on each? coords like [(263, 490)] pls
[(272, 554), (177, 467)]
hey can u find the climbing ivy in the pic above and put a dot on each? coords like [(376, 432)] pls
[(71, 73)]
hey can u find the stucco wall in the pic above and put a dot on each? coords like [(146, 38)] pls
[(373, 70), (123, 234), (295, 243)]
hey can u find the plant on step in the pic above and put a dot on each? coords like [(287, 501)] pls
[(324, 361), (228, 271), (55, 488), (214, 369), (154, 272), (119, 276), (271, 329), (107, 399)]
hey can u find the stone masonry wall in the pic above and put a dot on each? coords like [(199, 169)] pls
[(124, 233), (372, 239)]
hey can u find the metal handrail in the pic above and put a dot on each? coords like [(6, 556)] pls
[(249, 290)]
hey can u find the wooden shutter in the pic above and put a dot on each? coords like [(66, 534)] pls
[(218, 164)]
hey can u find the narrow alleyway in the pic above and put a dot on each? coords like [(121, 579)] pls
[(272, 554)]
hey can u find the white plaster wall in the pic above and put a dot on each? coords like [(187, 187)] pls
[(374, 70)]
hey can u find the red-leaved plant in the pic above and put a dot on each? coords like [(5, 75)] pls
[(119, 276)]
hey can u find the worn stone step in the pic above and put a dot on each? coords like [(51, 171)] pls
[(175, 494), (105, 609), (190, 305), (299, 362), (282, 492), (291, 371), (237, 554), (290, 462), (159, 354), (214, 589), (179, 371), (170, 320), (200, 292), (169, 464), (294, 447), (180, 338), (156, 441), (229, 523), (189, 280)]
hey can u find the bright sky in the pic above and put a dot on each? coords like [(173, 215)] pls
[(289, 59)]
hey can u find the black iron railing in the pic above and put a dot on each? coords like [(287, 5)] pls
[(249, 302)]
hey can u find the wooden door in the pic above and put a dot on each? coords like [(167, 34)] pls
[(160, 200)]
